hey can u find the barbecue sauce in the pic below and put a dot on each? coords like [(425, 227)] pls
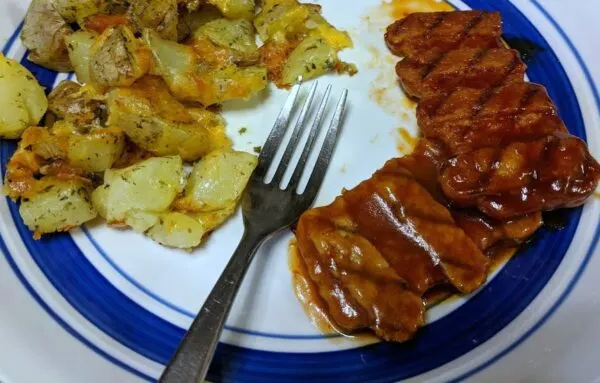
[(498, 240)]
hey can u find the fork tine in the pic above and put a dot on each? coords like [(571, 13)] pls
[(276, 136), (310, 142), (318, 173), (298, 129)]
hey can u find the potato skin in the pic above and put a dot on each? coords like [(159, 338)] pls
[(158, 15), (79, 105), (77, 11), (22, 99), (117, 58), (44, 32)]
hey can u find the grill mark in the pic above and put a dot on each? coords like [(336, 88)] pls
[(446, 96), (465, 32), (489, 92), (526, 99), (434, 25), (512, 67), (523, 102), (485, 97)]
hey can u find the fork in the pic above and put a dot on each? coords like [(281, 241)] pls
[(267, 207)]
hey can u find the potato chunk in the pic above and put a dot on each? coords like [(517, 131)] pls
[(312, 58), (22, 99), (76, 11), (79, 45), (96, 150), (217, 181), (158, 15), (235, 35), (299, 42), (207, 78), (175, 63), (58, 206), (80, 105), (156, 122), (235, 9), (281, 19), (44, 31), (117, 58), (149, 186), (179, 230)]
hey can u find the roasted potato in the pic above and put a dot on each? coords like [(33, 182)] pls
[(311, 58), (156, 122), (93, 151), (43, 33), (149, 186), (141, 221), (76, 11), (79, 45), (198, 17), (299, 41), (280, 20), (236, 36), (80, 105), (158, 15), (178, 230), (117, 58), (59, 206), (235, 9), (217, 181), (175, 63), (191, 79), (230, 83), (318, 26), (43, 143), (274, 56), (22, 99), (21, 171), (210, 220)]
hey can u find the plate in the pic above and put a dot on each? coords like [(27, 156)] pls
[(99, 304)]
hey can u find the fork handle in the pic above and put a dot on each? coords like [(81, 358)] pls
[(194, 354)]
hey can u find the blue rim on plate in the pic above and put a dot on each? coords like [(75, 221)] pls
[(511, 291)]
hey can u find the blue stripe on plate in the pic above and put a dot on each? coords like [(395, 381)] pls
[(11, 39), (511, 291), (182, 311), (61, 322)]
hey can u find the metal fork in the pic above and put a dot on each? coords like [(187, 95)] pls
[(267, 208)]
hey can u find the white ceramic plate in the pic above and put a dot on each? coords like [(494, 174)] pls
[(101, 305)]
